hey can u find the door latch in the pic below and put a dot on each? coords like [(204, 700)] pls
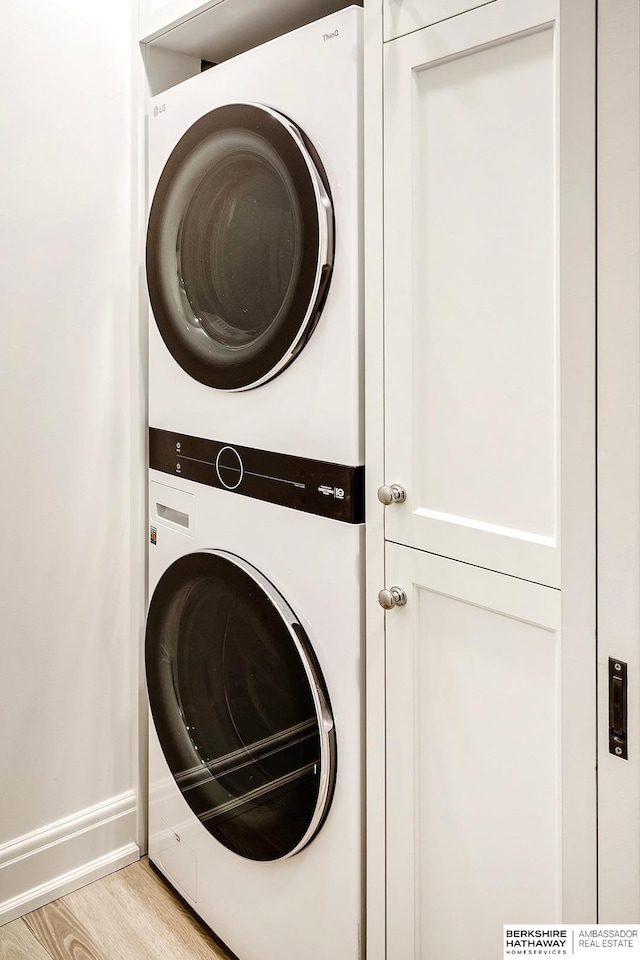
[(618, 708)]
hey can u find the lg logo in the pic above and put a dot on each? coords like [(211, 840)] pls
[(159, 109)]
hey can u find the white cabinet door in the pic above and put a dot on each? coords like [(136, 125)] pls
[(490, 762), (403, 16), (489, 282)]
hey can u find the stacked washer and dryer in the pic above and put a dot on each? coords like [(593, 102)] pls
[(254, 636)]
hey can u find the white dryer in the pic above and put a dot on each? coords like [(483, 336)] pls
[(254, 247), (254, 673)]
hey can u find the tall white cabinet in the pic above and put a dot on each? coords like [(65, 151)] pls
[(486, 308)]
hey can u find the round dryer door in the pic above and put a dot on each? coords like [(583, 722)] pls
[(239, 246), (239, 705)]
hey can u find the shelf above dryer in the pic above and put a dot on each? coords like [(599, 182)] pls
[(220, 29)]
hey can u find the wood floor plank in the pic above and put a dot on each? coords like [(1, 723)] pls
[(18, 943), (132, 915), (62, 933), (146, 894)]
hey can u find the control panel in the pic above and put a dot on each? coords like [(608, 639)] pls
[(331, 490)]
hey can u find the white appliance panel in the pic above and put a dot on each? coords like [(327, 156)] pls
[(309, 904), (314, 407)]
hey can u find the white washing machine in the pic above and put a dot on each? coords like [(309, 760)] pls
[(254, 247), (254, 671)]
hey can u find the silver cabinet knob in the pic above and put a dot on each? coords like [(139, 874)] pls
[(393, 494), (393, 597)]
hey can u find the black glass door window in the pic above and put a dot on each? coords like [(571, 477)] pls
[(239, 246), (240, 706)]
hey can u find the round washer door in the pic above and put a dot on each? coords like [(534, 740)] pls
[(239, 246), (240, 706)]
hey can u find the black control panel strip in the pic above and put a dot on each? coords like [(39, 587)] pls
[(326, 489)]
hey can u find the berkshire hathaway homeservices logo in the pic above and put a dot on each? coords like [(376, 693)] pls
[(572, 940)]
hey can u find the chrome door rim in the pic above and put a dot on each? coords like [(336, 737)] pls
[(324, 721), (296, 156)]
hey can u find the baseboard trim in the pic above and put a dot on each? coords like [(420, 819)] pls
[(48, 863)]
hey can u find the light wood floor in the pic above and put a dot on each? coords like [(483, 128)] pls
[(129, 915)]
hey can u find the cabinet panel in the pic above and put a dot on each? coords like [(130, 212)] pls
[(404, 16), (484, 337), (476, 735), (479, 267)]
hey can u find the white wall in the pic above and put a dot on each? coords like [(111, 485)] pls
[(67, 636)]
